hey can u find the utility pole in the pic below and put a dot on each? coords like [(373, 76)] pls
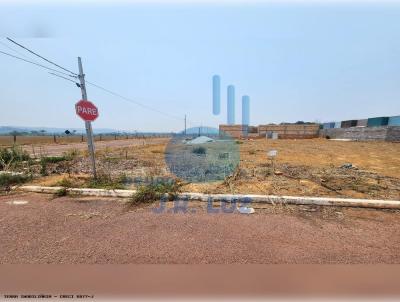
[(185, 124), (88, 124)]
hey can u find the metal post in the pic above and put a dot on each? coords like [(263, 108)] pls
[(88, 125)]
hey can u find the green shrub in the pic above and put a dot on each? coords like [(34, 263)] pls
[(10, 156), (53, 159), (65, 182), (7, 179), (155, 191), (123, 179), (44, 161), (71, 154), (104, 181), (61, 192), (43, 168), (199, 150)]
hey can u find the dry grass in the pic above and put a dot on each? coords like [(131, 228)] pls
[(379, 157), (48, 139), (308, 167), (311, 167)]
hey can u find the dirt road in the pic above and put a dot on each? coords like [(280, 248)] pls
[(59, 149), (93, 230)]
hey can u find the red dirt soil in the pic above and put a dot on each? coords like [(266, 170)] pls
[(102, 230)]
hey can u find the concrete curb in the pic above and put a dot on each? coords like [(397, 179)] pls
[(78, 191), (271, 199)]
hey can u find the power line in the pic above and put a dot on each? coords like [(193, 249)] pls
[(75, 76), (57, 75), (90, 83), (34, 63), (138, 103), (32, 52), (14, 50), (133, 101)]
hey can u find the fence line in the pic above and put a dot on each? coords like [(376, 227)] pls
[(9, 140)]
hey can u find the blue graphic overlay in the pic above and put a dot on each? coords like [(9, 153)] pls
[(231, 105), (245, 110), (216, 94), (216, 102), (197, 157)]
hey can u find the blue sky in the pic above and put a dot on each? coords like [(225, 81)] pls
[(296, 61)]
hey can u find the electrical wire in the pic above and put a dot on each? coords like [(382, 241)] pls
[(133, 101), (32, 52), (57, 75), (14, 50), (37, 64), (90, 83), (25, 56), (75, 76), (139, 104)]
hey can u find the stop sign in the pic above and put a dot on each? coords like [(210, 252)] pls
[(86, 110)]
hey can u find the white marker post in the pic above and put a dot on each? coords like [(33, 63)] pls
[(272, 155)]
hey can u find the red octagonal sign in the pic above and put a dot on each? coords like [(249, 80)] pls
[(86, 110)]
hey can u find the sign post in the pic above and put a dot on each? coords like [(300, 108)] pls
[(88, 112), (272, 155)]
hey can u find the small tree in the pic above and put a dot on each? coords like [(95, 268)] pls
[(9, 156), (15, 133), (6, 159)]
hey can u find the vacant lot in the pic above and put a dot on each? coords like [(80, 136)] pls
[(92, 230), (315, 167), (73, 229)]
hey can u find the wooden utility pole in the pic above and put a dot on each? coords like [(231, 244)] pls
[(88, 124)]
